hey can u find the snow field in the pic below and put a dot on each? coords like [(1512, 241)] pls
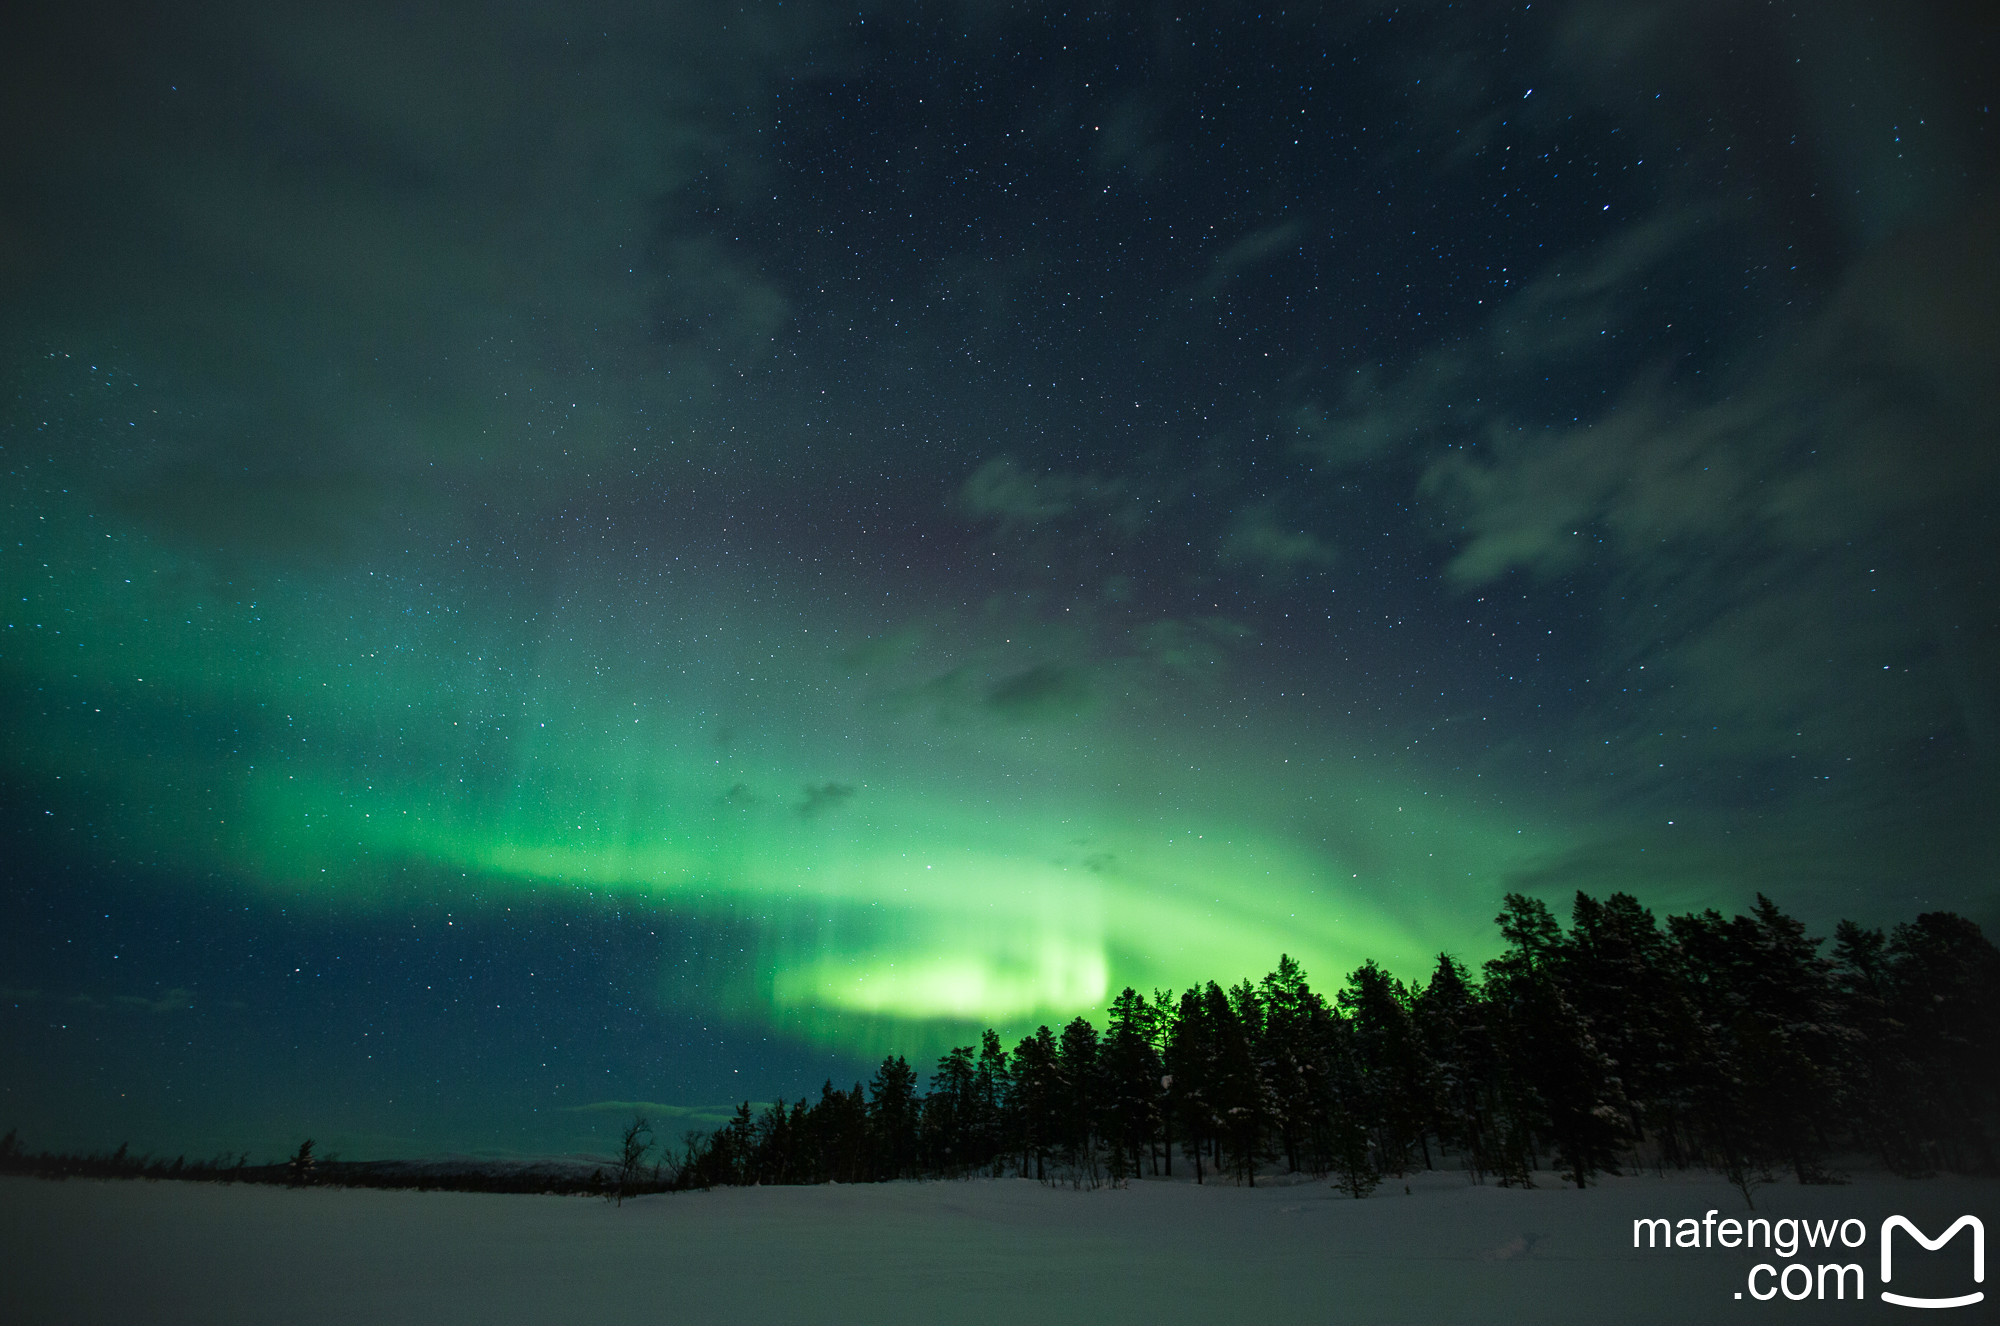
[(981, 1251)]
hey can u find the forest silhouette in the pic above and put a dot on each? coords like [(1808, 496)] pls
[(1618, 1045)]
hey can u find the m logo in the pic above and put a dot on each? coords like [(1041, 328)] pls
[(1896, 1222)]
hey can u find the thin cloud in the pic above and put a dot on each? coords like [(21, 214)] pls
[(1760, 533), (1045, 691), (1006, 493), (824, 799), (488, 235), (1257, 538), (1259, 246)]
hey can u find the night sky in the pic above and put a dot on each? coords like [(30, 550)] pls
[(557, 556)]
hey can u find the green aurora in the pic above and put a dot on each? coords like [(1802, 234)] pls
[(559, 557), (903, 865)]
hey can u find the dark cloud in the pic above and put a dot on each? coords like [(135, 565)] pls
[(284, 515), (369, 260), (1043, 692), (824, 799), (883, 652), (1854, 124), (1784, 562)]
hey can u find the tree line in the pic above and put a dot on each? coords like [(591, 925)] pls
[(305, 1168), (1734, 1044)]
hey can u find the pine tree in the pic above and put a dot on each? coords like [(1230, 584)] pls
[(1616, 971), (1347, 1141), (1294, 1062), (1450, 1023), (893, 1119), (1874, 1067), (1556, 1079), (1711, 1066), (840, 1137), (1731, 1042), (1131, 1073), (992, 1081), (1945, 979), (731, 1153), (300, 1170), (1191, 1070), (949, 1111), (1035, 1100), (1077, 1100), (1166, 1018), (1242, 1095), (1396, 1074), (1800, 1083)]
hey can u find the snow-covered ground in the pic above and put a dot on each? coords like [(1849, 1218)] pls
[(983, 1251)]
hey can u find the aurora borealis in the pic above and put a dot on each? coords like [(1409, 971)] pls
[(652, 553)]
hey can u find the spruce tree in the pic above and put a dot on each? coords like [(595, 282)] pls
[(1293, 1059), (1726, 1041), (1450, 1023), (1191, 1069), (1130, 1075), (1395, 1078), (1557, 1081), (991, 1083), (1077, 1100), (949, 1112), (893, 1118), (1945, 982), (1877, 1067), (1243, 1095), (300, 1170), (1166, 1018), (1036, 1098), (1615, 972)]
